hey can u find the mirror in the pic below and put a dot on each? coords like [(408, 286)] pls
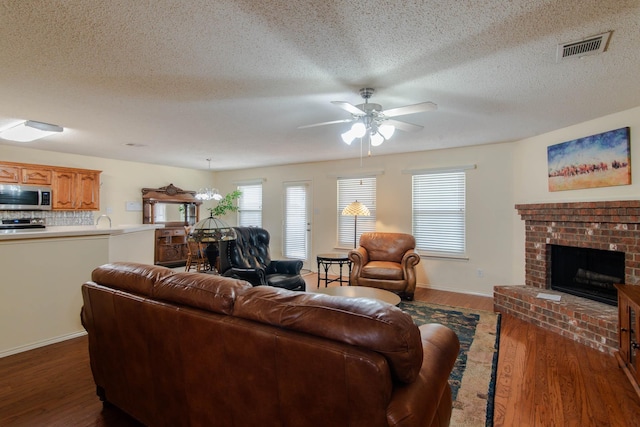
[(170, 205), (174, 212)]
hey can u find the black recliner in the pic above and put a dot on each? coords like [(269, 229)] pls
[(248, 258)]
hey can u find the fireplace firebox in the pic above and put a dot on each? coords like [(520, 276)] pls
[(585, 272)]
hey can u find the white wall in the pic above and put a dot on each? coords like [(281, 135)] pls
[(506, 174), (489, 208), (530, 182)]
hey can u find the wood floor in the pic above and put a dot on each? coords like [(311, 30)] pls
[(543, 380)]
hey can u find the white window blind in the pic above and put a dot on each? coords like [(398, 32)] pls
[(295, 221), (250, 205), (364, 191), (439, 212)]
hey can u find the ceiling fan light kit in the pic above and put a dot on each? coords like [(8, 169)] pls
[(369, 119)]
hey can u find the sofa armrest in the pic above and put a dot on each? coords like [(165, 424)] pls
[(425, 400), (255, 276), (285, 266)]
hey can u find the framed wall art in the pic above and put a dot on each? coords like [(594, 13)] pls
[(601, 160)]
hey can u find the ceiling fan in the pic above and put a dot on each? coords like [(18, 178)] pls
[(369, 118)]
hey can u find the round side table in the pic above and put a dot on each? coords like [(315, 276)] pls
[(325, 261)]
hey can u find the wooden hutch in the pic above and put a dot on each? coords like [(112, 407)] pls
[(176, 209)]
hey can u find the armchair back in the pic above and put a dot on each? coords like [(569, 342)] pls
[(387, 246)]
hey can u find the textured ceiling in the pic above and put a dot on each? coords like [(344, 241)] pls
[(184, 81)]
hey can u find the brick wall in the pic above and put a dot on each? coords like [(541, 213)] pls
[(611, 225)]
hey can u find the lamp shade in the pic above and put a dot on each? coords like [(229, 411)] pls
[(358, 129), (213, 230), (376, 139), (356, 209), (387, 131), (348, 137)]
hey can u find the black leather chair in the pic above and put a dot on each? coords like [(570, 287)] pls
[(248, 258)]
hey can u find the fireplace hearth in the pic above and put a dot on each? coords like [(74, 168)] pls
[(609, 226), (585, 272)]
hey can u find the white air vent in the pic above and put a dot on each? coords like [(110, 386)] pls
[(589, 46)]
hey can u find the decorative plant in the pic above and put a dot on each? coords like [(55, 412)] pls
[(226, 204)]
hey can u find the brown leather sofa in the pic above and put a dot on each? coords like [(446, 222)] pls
[(386, 261), (193, 349)]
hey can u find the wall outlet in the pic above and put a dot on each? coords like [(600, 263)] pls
[(133, 206), (480, 272)]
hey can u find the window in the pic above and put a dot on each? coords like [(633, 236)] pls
[(296, 222), (250, 205), (364, 191), (439, 212)]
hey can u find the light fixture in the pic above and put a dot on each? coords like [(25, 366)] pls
[(378, 133), (208, 193), (355, 209), (29, 130), (212, 231)]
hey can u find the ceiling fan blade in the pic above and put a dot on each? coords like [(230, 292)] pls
[(325, 123), (410, 109), (349, 107), (407, 127)]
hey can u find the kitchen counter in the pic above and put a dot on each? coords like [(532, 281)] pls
[(43, 269), (77, 230)]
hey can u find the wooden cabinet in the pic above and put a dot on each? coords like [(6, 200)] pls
[(72, 188), (37, 176), (9, 174), (171, 246), (628, 330), (176, 209), (76, 189), (15, 173)]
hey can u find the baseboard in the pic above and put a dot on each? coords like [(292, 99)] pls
[(39, 344), (452, 289)]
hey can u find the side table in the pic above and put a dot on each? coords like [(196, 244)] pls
[(325, 261)]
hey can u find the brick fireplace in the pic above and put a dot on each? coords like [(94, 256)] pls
[(610, 226)]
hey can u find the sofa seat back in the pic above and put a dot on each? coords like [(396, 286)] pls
[(187, 349)]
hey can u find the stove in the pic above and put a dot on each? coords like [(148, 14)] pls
[(23, 224)]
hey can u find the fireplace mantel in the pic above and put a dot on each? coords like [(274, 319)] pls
[(605, 225)]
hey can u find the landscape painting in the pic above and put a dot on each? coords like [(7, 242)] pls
[(601, 160)]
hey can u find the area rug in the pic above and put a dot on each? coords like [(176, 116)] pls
[(473, 378)]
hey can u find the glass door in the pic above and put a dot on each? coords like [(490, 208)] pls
[(297, 221)]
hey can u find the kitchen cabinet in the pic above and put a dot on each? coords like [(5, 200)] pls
[(16, 173), (628, 354), (76, 189), (72, 188)]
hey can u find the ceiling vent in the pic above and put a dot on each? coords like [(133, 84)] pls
[(589, 46)]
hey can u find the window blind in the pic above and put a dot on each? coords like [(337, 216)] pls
[(295, 221), (364, 191), (250, 205), (439, 212)]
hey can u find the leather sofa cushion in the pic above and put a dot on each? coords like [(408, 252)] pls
[(206, 291), (362, 322), (382, 270), (131, 277)]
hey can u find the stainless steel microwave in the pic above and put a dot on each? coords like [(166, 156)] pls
[(16, 197)]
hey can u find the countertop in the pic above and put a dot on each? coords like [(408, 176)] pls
[(76, 230)]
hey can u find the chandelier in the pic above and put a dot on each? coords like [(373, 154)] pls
[(207, 193)]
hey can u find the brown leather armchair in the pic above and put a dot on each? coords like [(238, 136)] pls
[(386, 261)]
